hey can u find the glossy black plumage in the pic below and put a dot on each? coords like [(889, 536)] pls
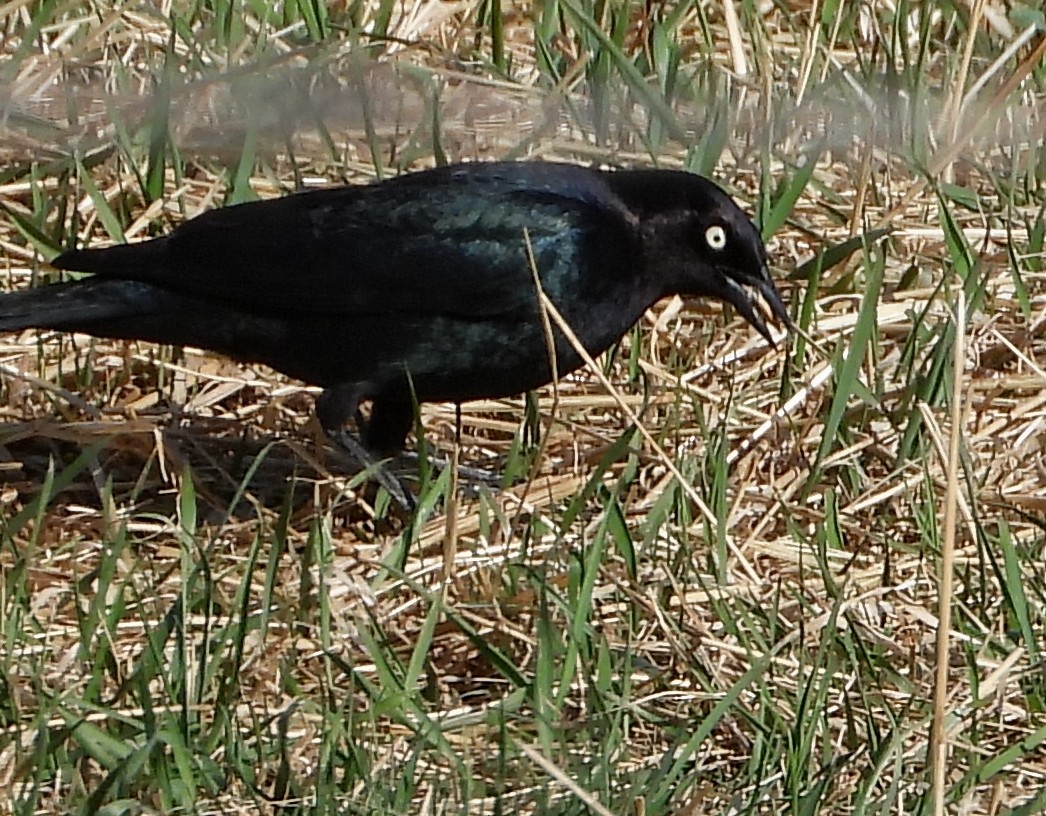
[(417, 287)]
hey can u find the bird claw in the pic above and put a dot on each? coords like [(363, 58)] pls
[(378, 471)]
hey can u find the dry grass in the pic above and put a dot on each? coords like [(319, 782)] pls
[(199, 606)]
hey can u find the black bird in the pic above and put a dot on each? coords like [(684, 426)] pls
[(420, 287)]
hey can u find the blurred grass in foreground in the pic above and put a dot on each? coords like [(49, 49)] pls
[(202, 613)]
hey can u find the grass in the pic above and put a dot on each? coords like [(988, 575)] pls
[(204, 612)]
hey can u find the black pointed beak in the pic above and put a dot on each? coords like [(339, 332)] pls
[(745, 298)]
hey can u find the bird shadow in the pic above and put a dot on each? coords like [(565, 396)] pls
[(144, 465)]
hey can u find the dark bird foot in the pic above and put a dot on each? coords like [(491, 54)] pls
[(378, 471), (484, 478)]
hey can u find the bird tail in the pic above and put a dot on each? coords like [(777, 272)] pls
[(75, 306)]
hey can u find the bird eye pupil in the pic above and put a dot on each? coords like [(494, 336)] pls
[(715, 235)]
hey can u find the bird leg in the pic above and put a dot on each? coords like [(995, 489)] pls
[(333, 408), (383, 435)]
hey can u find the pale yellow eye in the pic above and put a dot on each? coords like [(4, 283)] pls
[(715, 235)]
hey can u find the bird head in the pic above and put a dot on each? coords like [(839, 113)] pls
[(700, 243)]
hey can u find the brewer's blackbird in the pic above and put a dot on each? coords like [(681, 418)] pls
[(420, 287)]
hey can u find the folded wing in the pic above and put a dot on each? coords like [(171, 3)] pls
[(451, 241)]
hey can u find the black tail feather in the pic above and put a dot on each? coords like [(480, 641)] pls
[(74, 306)]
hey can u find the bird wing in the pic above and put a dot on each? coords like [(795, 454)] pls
[(452, 241)]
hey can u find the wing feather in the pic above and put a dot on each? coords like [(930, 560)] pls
[(450, 241)]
